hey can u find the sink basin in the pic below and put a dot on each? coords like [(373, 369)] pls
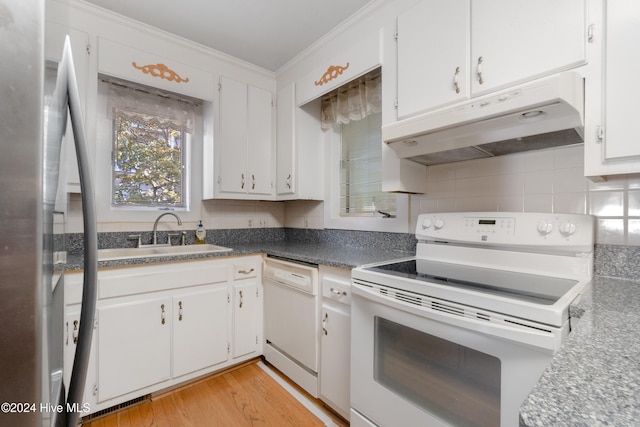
[(157, 251)]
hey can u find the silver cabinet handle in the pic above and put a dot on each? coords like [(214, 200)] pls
[(253, 182), (289, 181), (324, 323), (75, 332), (338, 292), (240, 299), (242, 181), (246, 271), (479, 70), (180, 311), (162, 314), (456, 84)]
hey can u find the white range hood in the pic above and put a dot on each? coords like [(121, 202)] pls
[(546, 113)]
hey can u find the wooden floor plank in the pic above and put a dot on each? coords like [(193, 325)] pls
[(282, 408), (247, 396)]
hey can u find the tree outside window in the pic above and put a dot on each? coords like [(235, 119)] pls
[(151, 138), (148, 167)]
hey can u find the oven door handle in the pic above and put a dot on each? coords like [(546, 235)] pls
[(544, 338)]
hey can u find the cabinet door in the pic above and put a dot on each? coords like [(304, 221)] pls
[(621, 81), (517, 40), (433, 55), (200, 330), (259, 142), (70, 332), (285, 141), (134, 346), (232, 154), (335, 356), (245, 317)]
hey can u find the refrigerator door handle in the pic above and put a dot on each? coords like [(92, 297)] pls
[(89, 289)]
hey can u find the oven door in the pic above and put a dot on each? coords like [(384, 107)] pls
[(416, 366)]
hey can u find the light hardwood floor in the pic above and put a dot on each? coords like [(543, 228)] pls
[(246, 396)]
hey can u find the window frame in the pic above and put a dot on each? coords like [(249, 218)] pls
[(130, 217), (332, 217)]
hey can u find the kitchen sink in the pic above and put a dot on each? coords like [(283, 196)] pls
[(157, 251)]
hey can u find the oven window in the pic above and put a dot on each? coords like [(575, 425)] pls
[(454, 383)]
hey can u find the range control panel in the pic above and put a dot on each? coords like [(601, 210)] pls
[(573, 232)]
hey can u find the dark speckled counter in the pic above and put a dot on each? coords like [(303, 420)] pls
[(314, 253), (595, 378)]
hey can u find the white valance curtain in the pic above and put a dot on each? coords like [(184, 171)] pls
[(150, 106), (353, 101)]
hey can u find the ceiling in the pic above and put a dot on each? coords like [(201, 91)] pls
[(267, 33)]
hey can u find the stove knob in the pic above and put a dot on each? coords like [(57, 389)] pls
[(426, 223), (568, 228), (545, 227), (438, 224)]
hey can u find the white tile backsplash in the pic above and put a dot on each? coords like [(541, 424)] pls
[(538, 181)]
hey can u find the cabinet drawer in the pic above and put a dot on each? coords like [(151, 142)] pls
[(336, 289), (245, 270), (130, 281)]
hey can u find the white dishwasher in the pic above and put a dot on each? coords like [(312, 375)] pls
[(291, 307)]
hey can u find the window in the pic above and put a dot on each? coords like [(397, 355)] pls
[(351, 117), (353, 111), (151, 139), (360, 169)]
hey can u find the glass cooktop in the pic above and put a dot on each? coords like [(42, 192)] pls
[(521, 286)]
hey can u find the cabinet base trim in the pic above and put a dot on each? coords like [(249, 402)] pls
[(299, 375)]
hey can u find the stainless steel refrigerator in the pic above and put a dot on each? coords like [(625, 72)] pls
[(32, 226)]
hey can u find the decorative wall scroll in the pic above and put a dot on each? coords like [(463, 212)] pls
[(332, 72), (162, 71)]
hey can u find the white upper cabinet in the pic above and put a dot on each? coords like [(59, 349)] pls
[(515, 41), (616, 149), (451, 51), (299, 148), (244, 151), (259, 142), (285, 141), (621, 79), (433, 55)]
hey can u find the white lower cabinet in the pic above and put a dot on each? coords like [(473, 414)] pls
[(134, 346), (162, 325), (245, 317), (200, 330), (335, 344), (247, 308)]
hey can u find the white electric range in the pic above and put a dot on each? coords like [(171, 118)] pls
[(459, 334)]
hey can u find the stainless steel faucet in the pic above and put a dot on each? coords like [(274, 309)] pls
[(155, 227)]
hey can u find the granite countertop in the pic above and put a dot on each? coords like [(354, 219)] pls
[(595, 378), (317, 253)]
